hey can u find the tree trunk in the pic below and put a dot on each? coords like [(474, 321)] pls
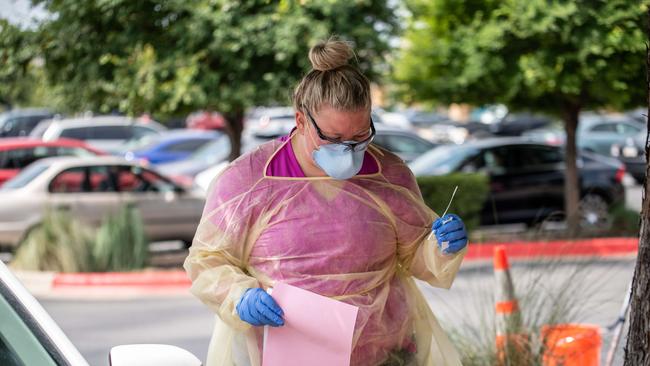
[(637, 350), (571, 187), (234, 128)]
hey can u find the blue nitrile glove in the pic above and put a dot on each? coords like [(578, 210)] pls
[(451, 234), (258, 308)]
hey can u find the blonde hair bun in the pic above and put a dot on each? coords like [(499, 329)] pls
[(330, 54)]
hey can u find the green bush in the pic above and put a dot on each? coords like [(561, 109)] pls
[(469, 200), (59, 244), (121, 244), (624, 221), (63, 244)]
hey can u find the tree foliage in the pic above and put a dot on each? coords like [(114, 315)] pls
[(170, 57), (18, 74), (555, 56), (533, 54)]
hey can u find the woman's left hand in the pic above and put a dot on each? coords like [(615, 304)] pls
[(451, 233)]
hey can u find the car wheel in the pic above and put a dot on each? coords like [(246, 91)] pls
[(594, 212)]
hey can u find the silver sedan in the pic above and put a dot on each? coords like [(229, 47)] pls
[(90, 189)]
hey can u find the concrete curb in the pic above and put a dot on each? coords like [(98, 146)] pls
[(125, 285)]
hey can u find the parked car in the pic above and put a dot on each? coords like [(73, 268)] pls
[(20, 122), (213, 153), (631, 152), (527, 178), (405, 143), (171, 146), (17, 153), (620, 137), (107, 133), (271, 124), (516, 124), (91, 188), (206, 120), (29, 336)]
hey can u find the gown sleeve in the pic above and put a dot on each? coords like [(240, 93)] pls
[(418, 252), (216, 263)]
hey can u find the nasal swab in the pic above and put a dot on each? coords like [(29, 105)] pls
[(444, 213)]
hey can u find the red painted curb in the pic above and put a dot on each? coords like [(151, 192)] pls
[(599, 247), (135, 279)]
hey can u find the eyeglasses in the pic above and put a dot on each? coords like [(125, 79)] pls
[(353, 146)]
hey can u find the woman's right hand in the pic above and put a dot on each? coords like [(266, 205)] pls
[(258, 308)]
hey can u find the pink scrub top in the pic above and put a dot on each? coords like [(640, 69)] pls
[(285, 164)]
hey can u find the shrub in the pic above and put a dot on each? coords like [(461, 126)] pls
[(121, 244), (624, 221), (63, 244), (469, 200), (59, 244)]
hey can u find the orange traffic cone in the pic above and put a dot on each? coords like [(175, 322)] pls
[(511, 341)]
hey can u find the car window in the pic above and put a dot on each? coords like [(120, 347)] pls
[(137, 179), (624, 128), (77, 133), (101, 179), (21, 126), (214, 152), (110, 133), (70, 151), (441, 160), (527, 157), (604, 127), (20, 158), (496, 160), (18, 344), (406, 144), (25, 176), (74, 180), (185, 146), (141, 131)]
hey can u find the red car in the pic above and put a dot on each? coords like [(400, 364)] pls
[(17, 153)]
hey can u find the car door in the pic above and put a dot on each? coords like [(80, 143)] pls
[(521, 187), (87, 192), (168, 212), (540, 170)]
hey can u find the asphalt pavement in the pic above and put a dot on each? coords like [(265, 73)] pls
[(597, 288)]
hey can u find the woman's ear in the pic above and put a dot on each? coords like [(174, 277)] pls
[(300, 122)]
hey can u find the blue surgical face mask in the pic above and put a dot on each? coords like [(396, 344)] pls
[(339, 161)]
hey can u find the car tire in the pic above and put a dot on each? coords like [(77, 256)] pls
[(594, 212)]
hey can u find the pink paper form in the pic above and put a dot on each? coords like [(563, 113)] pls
[(317, 330)]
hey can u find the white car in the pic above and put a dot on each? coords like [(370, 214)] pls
[(107, 133), (29, 336), (89, 189)]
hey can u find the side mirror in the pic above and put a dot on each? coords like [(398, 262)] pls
[(151, 355)]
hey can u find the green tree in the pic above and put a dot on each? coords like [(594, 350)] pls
[(170, 57), (17, 65), (558, 56)]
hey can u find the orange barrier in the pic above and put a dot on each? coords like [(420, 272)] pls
[(571, 345)]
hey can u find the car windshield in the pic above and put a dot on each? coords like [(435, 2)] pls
[(25, 176), (441, 160), (213, 152)]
